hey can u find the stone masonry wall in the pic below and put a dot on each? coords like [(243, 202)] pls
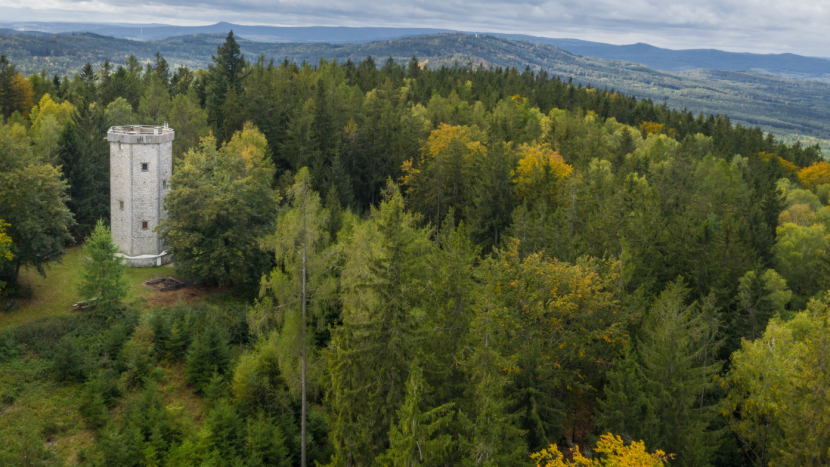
[(142, 193)]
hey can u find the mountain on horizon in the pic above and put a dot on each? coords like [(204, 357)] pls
[(787, 65)]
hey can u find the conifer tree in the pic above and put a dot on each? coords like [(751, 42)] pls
[(209, 355), (625, 409), (161, 69), (102, 276), (301, 280), (417, 438), (678, 366), (495, 438), (154, 105), (369, 356), (226, 73)]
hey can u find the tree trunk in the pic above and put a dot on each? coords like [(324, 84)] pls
[(303, 377)]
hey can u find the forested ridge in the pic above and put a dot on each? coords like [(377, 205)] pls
[(794, 110), (421, 266)]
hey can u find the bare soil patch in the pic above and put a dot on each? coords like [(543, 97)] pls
[(186, 293)]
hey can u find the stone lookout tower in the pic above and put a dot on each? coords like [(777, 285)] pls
[(141, 162)]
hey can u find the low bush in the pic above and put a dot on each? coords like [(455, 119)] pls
[(209, 354), (68, 363)]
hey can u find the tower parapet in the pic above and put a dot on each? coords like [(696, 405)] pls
[(141, 163)]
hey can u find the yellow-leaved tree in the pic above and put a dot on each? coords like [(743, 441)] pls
[(49, 108), (5, 247), (780, 384), (540, 173), (815, 175), (554, 322), (439, 180), (650, 128), (611, 452)]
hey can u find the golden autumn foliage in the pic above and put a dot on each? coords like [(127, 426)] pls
[(815, 175), (611, 452), (792, 168), (439, 179), (5, 242), (567, 313), (539, 172), (651, 128), (23, 92), (452, 140), (46, 108)]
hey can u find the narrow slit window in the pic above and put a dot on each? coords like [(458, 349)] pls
[(120, 145), (145, 167), (121, 205), (164, 183), (144, 225)]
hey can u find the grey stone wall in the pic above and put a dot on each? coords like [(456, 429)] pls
[(137, 195)]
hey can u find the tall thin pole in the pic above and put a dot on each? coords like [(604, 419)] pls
[(303, 354)]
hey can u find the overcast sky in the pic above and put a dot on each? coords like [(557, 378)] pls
[(801, 27)]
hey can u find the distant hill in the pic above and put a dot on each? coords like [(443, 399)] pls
[(791, 109), (786, 65), (26, 33), (149, 32)]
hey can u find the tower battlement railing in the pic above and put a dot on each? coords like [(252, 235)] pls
[(140, 134), (140, 130)]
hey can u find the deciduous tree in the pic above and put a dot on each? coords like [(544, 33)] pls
[(219, 204)]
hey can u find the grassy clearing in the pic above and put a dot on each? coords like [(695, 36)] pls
[(37, 410), (54, 294), (39, 417)]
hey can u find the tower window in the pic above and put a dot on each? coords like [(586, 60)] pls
[(120, 145), (164, 183), (144, 225), (145, 166), (121, 205)]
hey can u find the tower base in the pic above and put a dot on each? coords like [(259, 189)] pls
[(145, 261)]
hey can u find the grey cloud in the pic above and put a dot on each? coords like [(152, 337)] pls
[(750, 25)]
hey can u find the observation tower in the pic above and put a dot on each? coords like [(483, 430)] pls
[(141, 162)]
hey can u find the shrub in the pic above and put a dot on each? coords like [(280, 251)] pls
[(208, 354), (135, 357), (100, 394), (68, 361), (224, 431), (92, 407), (265, 443)]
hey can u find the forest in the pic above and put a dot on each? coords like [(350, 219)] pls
[(413, 266), (794, 110)]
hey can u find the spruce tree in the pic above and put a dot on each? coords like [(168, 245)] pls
[(226, 73), (625, 410), (102, 276), (209, 355), (418, 437), (677, 367), (84, 156), (368, 359)]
